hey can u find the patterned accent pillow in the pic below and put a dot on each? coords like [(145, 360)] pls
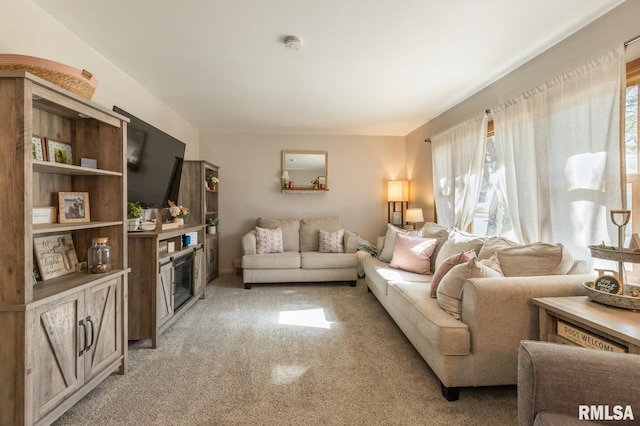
[(268, 240), (331, 241)]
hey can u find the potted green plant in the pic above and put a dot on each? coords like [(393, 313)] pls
[(212, 225), (134, 213)]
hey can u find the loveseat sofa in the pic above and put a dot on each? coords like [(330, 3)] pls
[(299, 250), (470, 332)]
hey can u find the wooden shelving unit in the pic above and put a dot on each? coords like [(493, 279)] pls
[(60, 337), (196, 195)]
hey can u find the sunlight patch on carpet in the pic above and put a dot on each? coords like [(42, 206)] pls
[(285, 374), (305, 318)]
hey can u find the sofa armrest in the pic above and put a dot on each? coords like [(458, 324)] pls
[(499, 314), (558, 378), (249, 243), (350, 242)]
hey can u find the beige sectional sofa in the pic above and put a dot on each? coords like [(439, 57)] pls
[(310, 250), (478, 344)]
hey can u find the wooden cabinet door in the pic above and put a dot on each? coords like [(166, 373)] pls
[(211, 249), (58, 334), (164, 294), (103, 305), (198, 271)]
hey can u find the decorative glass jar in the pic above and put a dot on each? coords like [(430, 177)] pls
[(99, 255)]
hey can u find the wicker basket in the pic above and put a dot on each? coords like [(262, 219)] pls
[(625, 300), (80, 82)]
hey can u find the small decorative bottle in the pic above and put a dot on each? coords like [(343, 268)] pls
[(99, 255)]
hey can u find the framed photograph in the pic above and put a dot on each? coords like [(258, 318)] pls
[(322, 182), (55, 255), (43, 215), (59, 152), (73, 207), (38, 151)]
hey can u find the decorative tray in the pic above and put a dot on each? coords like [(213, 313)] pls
[(612, 253), (624, 300)]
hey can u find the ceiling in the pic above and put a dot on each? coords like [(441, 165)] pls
[(367, 67)]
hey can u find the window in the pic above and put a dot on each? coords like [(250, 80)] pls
[(631, 159), (491, 217)]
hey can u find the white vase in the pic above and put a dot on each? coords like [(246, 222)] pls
[(178, 220), (211, 229), (133, 224)]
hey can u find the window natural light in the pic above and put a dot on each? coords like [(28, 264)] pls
[(305, 318)]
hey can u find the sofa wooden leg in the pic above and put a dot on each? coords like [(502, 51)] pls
[(353, 283), (450, 394), (247, 286), (368, 289)]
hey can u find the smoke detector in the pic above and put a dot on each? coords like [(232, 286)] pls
[(292, 43)]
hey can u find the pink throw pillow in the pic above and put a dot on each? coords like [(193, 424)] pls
[(413, 254), (447, 264)]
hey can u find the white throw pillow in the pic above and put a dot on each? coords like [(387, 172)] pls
[(331, 241), (390, 241), (268, 240), (458, 241)]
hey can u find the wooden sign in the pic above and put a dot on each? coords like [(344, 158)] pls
[(55, 255), (608, 284), (43, 215), (587, 340)]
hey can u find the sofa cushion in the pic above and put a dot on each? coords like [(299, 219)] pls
[(310, 230), (268, 240), (390, 240), (458, 241), (449, 293), (331, 241), (413, 254), (317, 260), (535, 259), (380, 273), (286, 260), (290, 231), (434, 230), (450, 262), (492, 245), (446, 334)]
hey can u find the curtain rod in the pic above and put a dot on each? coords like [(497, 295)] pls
[(487, 111), (632, 40)]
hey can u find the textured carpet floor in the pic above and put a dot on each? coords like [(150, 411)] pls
[(246, 357)]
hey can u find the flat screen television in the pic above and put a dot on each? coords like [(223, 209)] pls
[(154, 163)]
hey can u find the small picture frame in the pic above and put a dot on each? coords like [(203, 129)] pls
[(40, 215), (73, 207), (59, 152), (322, 182), (38, 151)]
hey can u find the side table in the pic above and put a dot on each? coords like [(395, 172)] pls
[(577, 320)]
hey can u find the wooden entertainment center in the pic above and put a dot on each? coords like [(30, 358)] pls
[(153, 258)]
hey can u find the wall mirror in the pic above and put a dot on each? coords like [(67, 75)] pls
[(305, 169)]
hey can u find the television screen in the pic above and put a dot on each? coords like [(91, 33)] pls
[(154, 162)]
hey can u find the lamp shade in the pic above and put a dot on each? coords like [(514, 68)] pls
[(414, 215), (285, 175), (397, 190)]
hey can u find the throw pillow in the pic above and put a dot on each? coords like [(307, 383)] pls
[(331, 241), (290, 231), (268, 240), (493, 245), (390, 240), (449, 293), (449, 262), (434, 230), (535, 259), (458, 241), (413, 254)]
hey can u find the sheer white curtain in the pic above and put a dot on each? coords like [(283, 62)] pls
[(558, 150), (458, 156)]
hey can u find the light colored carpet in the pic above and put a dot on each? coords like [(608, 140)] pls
[(240, 357)]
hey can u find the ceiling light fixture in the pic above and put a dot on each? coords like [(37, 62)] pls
[(292, 43)]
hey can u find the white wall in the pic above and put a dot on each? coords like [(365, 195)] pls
[(250, 172), (27, 30), (612, 29)]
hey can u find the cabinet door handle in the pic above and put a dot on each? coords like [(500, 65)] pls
[(84, 327), (93, 333)]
